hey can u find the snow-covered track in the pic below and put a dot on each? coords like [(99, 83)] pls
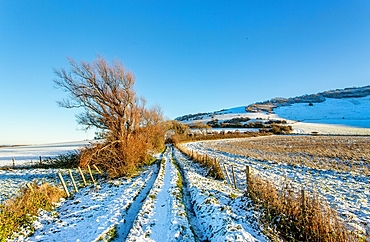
[(95, 212), (223, 213), (163, 215)]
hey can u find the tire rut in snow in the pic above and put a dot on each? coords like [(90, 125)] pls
[(195, 225), (163, 214), (124, 227)]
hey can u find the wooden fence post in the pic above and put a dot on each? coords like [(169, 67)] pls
[(97, 169), (83, 177), (232, 170), (92, 177), (64, 184), (246, 177), (73, 180), (227, 174)]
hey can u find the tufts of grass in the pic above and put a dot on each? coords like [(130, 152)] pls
[(20, 211), (212, 165), (297, 217), (109, 235), (181, 138)]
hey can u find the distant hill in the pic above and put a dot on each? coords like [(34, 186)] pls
[(340, 111), (268, 106)]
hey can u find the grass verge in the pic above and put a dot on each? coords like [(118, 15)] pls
[(212, 165), (21, 211), (296, 216)]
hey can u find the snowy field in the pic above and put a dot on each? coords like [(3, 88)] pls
[(25, 155), (346, 192), (171, 201), (12, 179)]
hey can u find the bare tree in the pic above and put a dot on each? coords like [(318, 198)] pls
[(106, 92)]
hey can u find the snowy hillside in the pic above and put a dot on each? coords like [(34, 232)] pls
[(333, 112)]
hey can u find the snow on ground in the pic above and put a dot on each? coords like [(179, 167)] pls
[(92, 212), (333, 116), (349, 111), (222, 212), (12, 180), (25, 155), (150, 207), (163, 214), (346, 192)]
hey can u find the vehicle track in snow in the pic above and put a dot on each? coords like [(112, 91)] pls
[(219, 212), (127, 222), (163, 215)]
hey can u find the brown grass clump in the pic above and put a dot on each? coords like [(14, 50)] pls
[(20, 211), (297, 217), (212, 165), (343, 153)]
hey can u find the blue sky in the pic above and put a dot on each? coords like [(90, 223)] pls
[(187, 56)]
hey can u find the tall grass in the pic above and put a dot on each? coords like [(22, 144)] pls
[(296, 216), (212, 165), (20, 211), (179, 138)]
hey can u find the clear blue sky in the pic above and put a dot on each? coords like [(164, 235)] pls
[(187, 56)]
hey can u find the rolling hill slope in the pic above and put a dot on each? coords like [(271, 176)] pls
[(344, 111)]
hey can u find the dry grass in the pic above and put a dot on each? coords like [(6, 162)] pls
[(180, 138), (212, 165), (20, 211), (342, 153), (297, 217)]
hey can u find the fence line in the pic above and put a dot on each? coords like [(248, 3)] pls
[(75, 185)]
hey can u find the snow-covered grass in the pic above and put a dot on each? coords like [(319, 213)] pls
[(182, 203), (92, 214), (222, 212), (147, 207), (349, 112), (347, 192), (12, 180)]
